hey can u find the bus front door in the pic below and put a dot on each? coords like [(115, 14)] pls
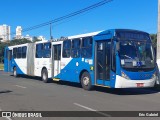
[(102, 57), (56, 62), (8, 61)]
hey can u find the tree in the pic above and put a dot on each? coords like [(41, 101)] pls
[(19, 41), (154, 40), (35, 39)]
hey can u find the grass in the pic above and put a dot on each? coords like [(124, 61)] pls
[(1, 66)]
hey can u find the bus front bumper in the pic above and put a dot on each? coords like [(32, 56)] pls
[(125, 83)]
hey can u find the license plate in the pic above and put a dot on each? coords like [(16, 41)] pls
[(140, 84)]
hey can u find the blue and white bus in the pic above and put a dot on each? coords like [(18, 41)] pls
[(115, 58)]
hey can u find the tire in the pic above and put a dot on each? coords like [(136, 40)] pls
[(86, 81), (44, 76), (15, 72)]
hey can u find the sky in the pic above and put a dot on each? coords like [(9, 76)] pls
[(129, 14)]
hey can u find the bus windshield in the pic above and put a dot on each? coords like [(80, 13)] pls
[(134, 54)]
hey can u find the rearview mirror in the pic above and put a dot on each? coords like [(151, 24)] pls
[(117, 46), (100, 46)]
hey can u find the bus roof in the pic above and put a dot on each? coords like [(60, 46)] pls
[(84, 35)]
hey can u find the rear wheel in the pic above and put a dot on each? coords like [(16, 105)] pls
[(15, 72), (86, 81), (45, 76)]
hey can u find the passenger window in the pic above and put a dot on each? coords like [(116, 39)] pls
[(75, 52), (47, 50), (19, 52), (66, 49), (39, 50), (14, 53), (86, 50), (24, 50)]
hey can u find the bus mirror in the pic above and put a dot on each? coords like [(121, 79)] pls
[(117, 46), (100, 46)]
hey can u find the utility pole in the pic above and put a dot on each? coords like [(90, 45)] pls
[(158, 45), (51, 37), (158, 34)]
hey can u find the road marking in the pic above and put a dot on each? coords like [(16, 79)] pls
[(8, 118), (20, 86), (90, 109)]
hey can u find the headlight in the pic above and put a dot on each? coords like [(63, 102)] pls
[(154, 74), (124, 75)]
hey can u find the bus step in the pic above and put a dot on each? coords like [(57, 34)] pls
[(56, 79)]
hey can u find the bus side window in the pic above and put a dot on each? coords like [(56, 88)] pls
[(24, 50), (86, 48), (75, 52), (19, 52), (66, 49), (47, 50), (39, 50), (14, 53)]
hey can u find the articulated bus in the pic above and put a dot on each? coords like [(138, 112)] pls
[(115, 58)]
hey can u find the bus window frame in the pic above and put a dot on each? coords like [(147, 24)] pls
[(67, 49), (84, 49), (75, 51)]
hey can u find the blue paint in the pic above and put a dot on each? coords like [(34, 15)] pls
[(5, 60), (7, 63), (139, 75), (18, 70), (112, 79), (100, 82), (71, 72)]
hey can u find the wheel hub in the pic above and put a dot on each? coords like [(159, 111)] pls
[(44, 76), (86, 81)]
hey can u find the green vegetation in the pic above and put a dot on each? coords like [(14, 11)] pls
[(1, 66), (11, 43), (154, 39)]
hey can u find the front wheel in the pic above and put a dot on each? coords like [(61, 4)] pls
[(15, 72), (44, 76), (86, 81)]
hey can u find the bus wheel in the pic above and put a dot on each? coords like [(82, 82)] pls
[(86, 81), (44, 76), (15, 72)]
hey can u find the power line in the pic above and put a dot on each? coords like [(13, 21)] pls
[(96, 5)]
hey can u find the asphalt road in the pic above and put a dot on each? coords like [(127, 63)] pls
[(31, 94)]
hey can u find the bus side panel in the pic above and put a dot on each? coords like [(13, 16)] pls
[(84, 64), (71, 71), (67, 70), (30, 59), (41, 63), (21, 65)]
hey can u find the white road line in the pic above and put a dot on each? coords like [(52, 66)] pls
[(20, 86), (90, 109), (8, 118)]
